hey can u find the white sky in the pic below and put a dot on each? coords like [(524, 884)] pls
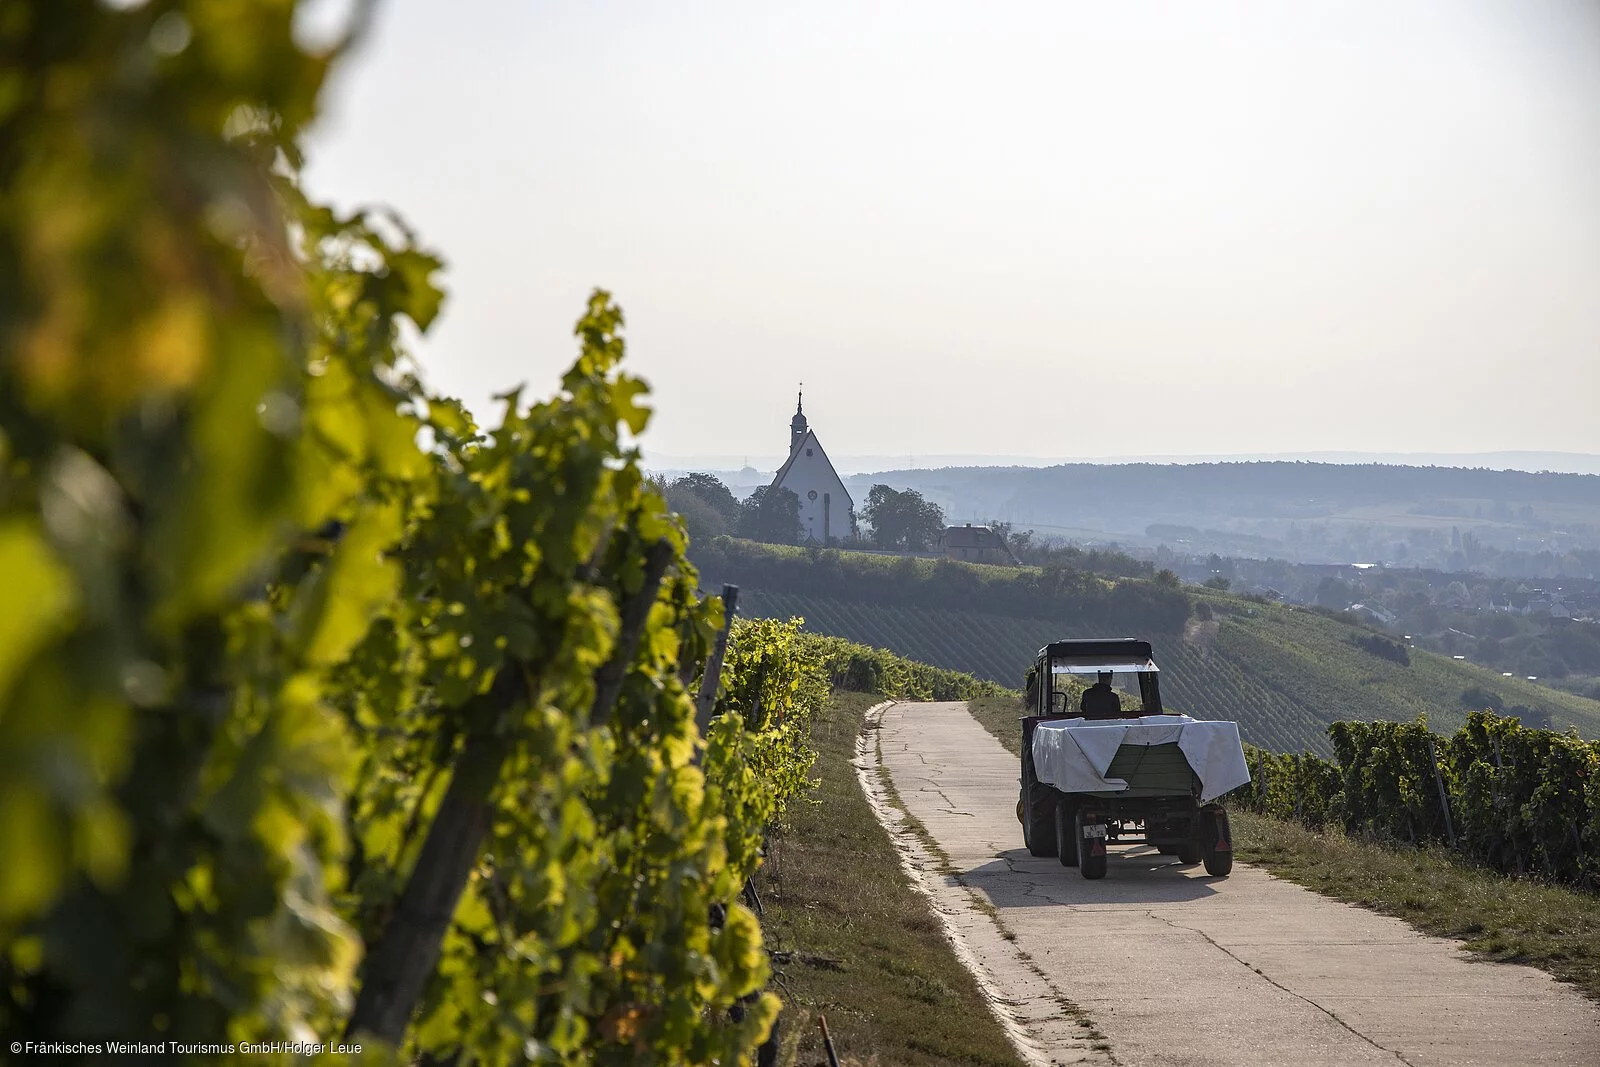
[(1023, 228)]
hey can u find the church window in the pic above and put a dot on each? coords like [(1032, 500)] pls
[(808, 451), (811, 495)]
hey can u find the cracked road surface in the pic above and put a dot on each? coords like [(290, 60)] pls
[(1175, 967)]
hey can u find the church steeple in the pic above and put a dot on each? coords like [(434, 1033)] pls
[(797, 425)]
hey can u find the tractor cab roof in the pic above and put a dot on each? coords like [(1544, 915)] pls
[(1121, 655)]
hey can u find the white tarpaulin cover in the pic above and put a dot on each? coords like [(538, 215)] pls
[(1073, 754)]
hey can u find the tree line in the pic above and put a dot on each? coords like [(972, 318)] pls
[(709, 509), (895, 520)]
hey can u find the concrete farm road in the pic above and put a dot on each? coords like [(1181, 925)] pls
[(1171, 967)]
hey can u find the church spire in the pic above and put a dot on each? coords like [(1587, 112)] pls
[(797, 425)]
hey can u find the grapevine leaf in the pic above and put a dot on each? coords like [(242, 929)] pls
[(36, 598), (359, 583)]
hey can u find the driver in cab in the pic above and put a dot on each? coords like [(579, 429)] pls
[(1100, 701)]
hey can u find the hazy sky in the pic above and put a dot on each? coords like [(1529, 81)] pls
[(1028, 228)]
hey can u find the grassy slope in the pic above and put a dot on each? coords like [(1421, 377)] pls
[(853, 941), (1518, 920), (1282, 673)]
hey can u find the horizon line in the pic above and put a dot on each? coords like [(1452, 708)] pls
[(1337, 457)]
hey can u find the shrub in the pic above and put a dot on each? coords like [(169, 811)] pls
[(1383, 648)]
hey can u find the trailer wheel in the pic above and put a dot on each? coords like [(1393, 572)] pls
[(1090, 865), (1167, 850), (1192, 851), (1066, 822), (1219, 843)]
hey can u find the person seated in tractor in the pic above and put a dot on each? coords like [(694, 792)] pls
[(1100, 701)]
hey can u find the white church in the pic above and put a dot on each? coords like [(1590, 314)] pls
[(827, 513)]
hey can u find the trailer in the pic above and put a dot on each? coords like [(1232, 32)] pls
[(1118, 767)]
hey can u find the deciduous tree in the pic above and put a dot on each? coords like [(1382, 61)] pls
[(771, 515), (902, 519), (709, 488), (708, 508)]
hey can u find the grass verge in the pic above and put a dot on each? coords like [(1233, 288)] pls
[(852, 940), (1508, 919)]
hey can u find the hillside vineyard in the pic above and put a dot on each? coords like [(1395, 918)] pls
[(1284, 674)]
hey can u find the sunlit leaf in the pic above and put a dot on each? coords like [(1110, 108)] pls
[(36, 597)]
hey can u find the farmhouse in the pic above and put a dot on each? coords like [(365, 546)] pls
[(827, 514), (976, 544)]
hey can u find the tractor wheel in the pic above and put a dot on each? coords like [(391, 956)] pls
[(1038, 814), (1066, 822), (1039, 828), (1027, 829), (1219, 843), (1090, 864)]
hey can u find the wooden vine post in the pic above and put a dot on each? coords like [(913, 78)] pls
[(827, 1041), (1294, 779), (1266, 801), (706, 701), (1498, 795), (1438, 781)]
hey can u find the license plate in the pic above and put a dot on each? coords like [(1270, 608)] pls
[(1095, 831)]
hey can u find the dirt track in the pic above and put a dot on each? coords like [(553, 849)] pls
[(1174, 967)]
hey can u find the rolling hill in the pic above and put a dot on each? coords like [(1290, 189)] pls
[(1283, 673)]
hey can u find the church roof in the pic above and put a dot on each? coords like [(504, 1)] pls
[(809, 439), (795, 451)]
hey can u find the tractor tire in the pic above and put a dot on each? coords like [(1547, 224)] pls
[(1090, 865), (1066, 821), (1038, 814), (1218, 861), (1039, 830)]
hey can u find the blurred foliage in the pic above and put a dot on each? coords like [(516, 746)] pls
[(194, 372), (254, 579)]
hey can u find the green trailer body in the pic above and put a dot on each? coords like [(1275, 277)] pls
[(1150, 771)]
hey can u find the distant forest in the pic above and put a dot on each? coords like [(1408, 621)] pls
[(1523, 523), (1342, 484)]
